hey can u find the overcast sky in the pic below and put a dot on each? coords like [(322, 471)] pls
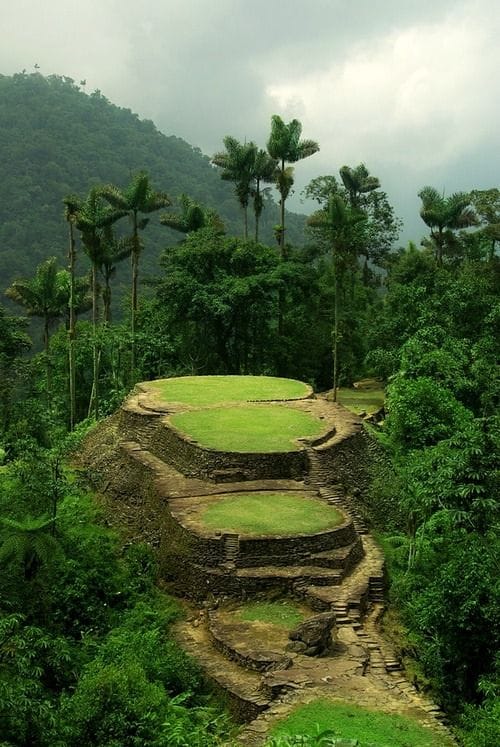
[(409, 88)]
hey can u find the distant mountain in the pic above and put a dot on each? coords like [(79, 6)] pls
[(57, 140)]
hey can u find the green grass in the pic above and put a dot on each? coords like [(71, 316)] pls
[(249, 428), (213, 390), (284, 614), (353, 722), (359, 400), (264, 513)]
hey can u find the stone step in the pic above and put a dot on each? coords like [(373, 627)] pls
[(308, 574), (325, 595), (343, 620), (337, 558), (393, 666)]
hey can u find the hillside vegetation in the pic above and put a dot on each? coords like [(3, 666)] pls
[(56, 140)]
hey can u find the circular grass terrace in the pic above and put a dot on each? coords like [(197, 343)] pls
[(283, 613), (203, 391), (268, 514), (249, 428)]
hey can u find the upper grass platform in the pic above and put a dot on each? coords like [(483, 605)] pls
[(201, 391), (249, 428)]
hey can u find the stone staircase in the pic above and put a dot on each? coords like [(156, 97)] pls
[(231, 549), (320, 476)]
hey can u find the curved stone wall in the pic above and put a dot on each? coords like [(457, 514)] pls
[(194, 460), (258, 551)]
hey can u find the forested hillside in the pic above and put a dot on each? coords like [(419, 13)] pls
[(57, 140)]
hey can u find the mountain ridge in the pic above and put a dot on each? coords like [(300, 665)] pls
[(55, 139)]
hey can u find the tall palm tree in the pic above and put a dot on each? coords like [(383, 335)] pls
[(44, 296), (237, 163), (71, 206), (358, 181), (263, 170), (285, 146), (92, 219), (112, 251), (136, 199), (444, 215), (342, 226)]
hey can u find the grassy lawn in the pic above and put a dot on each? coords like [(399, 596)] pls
[(359, 400), (284, 614), (264, 513), (249, 428), (212, 390), (352, 722)]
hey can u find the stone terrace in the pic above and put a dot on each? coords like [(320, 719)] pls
[(151, 476)]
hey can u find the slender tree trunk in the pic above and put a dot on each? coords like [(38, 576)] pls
[(245, 213), (46, 345), (282, 216), (257, 209), (106, 299), (72, 328), (94, 396), (55, 490), (335, 334), (135, 280)]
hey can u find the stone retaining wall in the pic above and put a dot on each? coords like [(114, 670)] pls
[(345, 460), (258, 551), (295, 548), (193, 460)]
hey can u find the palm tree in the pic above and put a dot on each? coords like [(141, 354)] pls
[(263, 170), (237, 163), (342, 226), (71, 206), (285, 146), (92, 219), (136, 199), (44, 296), (444, 215), (192, 217), (112, 251), (358, 181)]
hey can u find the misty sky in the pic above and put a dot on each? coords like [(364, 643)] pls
[(411, 88)]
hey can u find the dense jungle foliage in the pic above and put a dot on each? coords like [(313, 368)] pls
[(85, 651)]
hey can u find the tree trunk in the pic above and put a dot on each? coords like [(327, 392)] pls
[(282, 216), (135, 280), (335, 334), (106, 299), (46, 345), (257, 213), (72, 328), (94, 396)]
